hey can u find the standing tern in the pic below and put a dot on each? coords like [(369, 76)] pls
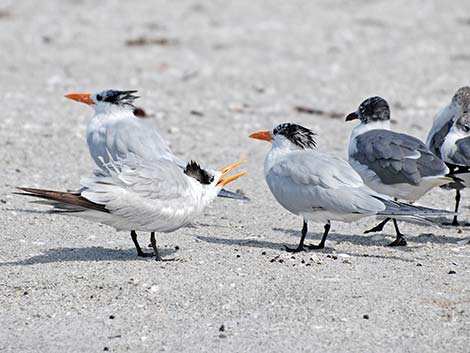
[(114, 132), (449, 139), (321, 187), (137, 194), (391, 163)]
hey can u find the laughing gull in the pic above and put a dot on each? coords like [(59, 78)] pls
[(449, 139), (321, 187), (391, 163)]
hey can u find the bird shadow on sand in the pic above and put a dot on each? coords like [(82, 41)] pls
[(97, 254), (253, 243), (262, 244), (366, 239)]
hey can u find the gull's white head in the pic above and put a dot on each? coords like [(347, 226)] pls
[(106, 101), (373, 109), (288, 135)]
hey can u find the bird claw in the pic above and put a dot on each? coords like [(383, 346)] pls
[(315, 247), (294, 250), (401, 241), (159, 259)]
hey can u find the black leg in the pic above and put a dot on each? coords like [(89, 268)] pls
[(155, 249), (379, 227), (400, 239), (455, 222), (137, 246), (323, 239), (301, 244)]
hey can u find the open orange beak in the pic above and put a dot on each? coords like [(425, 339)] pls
[(81, 97), (225, 170), (262, 135)]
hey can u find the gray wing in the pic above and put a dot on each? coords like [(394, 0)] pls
[(397, 158), (129, 136), (305, 181), (147, 195), (462, 153), (437, 139), (140, 138)]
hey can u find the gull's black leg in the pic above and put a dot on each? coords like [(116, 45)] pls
[(379, 227), (301, 244), (137, 246), (455, 222), (155, 249), (323, 239), (400, 239)]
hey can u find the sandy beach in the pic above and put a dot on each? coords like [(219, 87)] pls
[(209, 74)]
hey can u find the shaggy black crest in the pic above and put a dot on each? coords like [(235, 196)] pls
[(117, 97), (374, 108), (297, 134), (195, 171)]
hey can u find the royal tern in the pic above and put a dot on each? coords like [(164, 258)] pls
[(114, 132), (391, 163), (137, 194), (449, 139), (321, 187)]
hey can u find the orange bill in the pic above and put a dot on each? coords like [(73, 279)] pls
[(228, 168), (231, 178), (262, 135), (225, 170), (80, 97)]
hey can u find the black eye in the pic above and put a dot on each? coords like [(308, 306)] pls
[(466, 127), (98, 97), (211, 180)]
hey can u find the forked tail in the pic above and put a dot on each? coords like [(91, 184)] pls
[(63, 201), (395, 208)]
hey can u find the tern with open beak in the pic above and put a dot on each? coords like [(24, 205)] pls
[(135, 194), (391, 163), (114, 132), (321, 187)]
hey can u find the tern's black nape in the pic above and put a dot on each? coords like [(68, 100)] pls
[(297, 134), (195, 171), (374, 109), (117, 97)]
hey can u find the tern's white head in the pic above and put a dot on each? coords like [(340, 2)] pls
[(212, 181), (288, 135), (106, 101)]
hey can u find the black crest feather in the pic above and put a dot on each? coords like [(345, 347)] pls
[(195, 171), (297, 134), (118, 97)]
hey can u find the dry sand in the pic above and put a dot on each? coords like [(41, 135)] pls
[(211, 73)]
